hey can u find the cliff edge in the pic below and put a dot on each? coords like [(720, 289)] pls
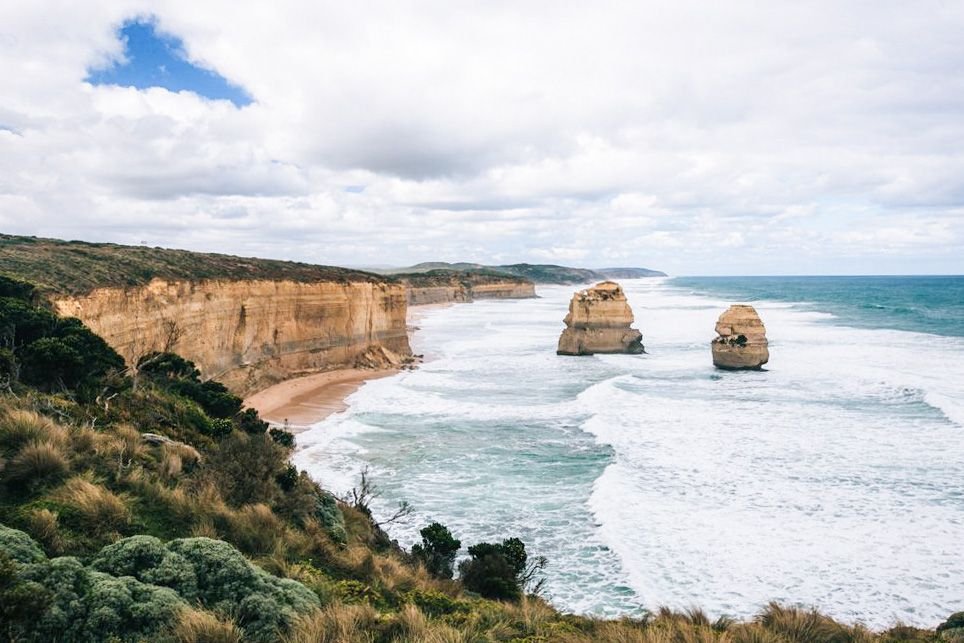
[(456, 286), (246, 322)]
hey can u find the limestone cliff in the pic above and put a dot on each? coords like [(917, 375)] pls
[(741, 341), (448, 286), (249, 333), (599, 321)]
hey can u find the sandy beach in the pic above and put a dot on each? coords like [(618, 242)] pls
[(304, 401)]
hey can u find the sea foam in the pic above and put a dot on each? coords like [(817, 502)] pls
[(833, 479)]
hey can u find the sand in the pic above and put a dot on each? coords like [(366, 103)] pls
[(304, 401)]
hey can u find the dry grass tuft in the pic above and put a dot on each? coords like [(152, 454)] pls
[(804, 626), (19, 427), (336, 623), (100, 509), (36, 463), (205, 529), (42, 525), (255, 529), (754, 633), (176, 458), (199, 626)]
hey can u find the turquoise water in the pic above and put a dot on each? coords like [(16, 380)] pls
[(919, 304), (833, 479)]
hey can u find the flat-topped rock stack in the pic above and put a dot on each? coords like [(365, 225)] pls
[(742, 341), (599, 321)]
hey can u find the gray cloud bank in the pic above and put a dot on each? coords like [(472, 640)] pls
[(821, 137)]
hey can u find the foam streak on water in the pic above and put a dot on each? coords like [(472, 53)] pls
[(834, 479)]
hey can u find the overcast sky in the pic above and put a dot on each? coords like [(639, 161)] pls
[(696, 138)]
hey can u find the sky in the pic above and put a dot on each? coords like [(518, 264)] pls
[(699, 138)]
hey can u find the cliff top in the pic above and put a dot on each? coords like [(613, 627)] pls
[(603, 291), (537, 273), (442, 277), (76, 267)]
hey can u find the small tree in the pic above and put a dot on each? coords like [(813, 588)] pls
[(502, 571), (51, 363), (437, 550)]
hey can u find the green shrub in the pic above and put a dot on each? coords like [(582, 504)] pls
[(500, 571), (16, 289), (215, 575), (9, 366), (436, 603), (282, 437), (437, 550), (330, 516), (227, 582), (953, 622), (92, 606), (219, 428), (20, 601), (149, 561), (182, 377), (288, 478), (245, 468), (353, 591), (168, 366), (249, 422), (19, 546)]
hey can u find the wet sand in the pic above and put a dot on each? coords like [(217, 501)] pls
[(304, 401)]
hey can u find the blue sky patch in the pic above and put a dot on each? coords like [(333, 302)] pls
[(159, 60)]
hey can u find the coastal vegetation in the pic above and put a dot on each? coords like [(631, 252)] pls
[(536, 273), (465, 278), (76, 267), (142, 502)]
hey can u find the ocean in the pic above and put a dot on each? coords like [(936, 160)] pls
[(833, 479)]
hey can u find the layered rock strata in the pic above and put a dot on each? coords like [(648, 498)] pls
[(443, 287), (741, 342), (599, 321), (248, 334)]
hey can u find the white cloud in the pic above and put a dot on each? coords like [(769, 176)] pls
[(795, 137)]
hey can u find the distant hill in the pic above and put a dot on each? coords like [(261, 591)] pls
[(630, 273), (537, 273)]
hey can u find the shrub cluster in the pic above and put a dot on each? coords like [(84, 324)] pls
[(138, 587), (47, 351)]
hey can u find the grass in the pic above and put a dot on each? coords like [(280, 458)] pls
[(200, 626), (97, 508), (536, 273), (20, 427), (36, 464), (76, 267), (88, 477)]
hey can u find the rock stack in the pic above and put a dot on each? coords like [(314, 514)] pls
[(742, 341), (599, 321)]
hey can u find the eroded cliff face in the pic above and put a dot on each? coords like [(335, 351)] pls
[(248, 334), (438, 295), (741, 341), (599, 321), (460, 293)]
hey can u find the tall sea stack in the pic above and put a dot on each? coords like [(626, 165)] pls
[(742, 341), (599, 321)]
